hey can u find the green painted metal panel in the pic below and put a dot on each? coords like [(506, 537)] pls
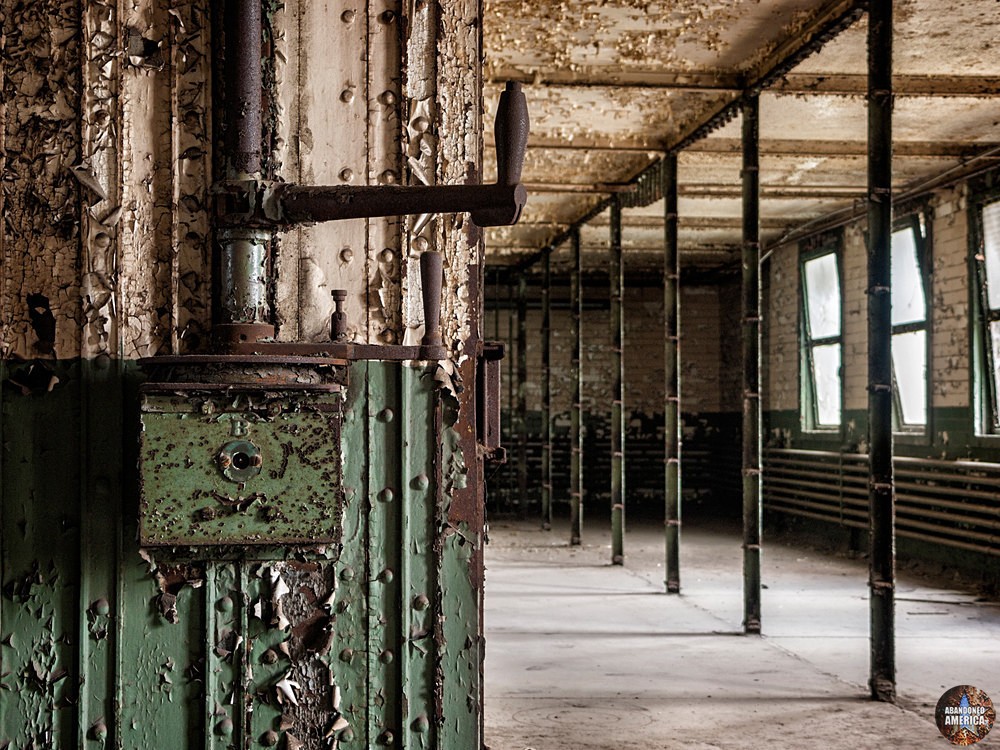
[(230, 467), (107, 642)]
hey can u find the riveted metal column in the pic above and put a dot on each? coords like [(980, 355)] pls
[(671, 379), (617, 391), (522, 392), (547, 394), (751, 366), (576, 415), (881, 489)]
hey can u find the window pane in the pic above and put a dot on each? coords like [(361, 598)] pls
[(991, 242), (826, 376), (908, 305), (909, 362), (995, 340), (823, 296)]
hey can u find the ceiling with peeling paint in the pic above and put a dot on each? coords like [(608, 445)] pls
[(613, 86)]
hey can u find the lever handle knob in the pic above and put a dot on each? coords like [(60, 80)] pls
[(511, 133)]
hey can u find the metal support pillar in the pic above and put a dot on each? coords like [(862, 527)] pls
[(617, 390), (546, 394), (751, 366), (881, 487), (576, 416), (522, 393), (510, 470), (671, 380)]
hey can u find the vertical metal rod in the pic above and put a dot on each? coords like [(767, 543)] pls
[(243, 76), (522, 392), (881, 487), (243, 262), (511, 471), (546, 394), (671, 379), (617, 390), (576, 415), (751, 366)]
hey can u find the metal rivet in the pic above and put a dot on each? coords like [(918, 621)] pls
[(102, 240), (347, 255), (421, 724), (346, 174), (269, 738), (388, 177), (98, 731), (225, 604), (420, 602), (421, 482), (420, 124), (347, 654), (386, 415), (386, 738), (387, 255), (420, 244), (387, 16), (101, 607), (347, 96), (386, 576), (388, 97), (348, 16), (269, 656), (347, 574), (388, 336), (224, 727), (386, 657), (347, 735), (385, 495)]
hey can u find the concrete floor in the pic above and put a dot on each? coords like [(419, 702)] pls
[(582, 655)]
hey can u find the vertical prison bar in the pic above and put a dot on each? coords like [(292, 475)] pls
[(671, 404), (617, 279), (546, 393), (576, 416), (881, 489), (751, 366)]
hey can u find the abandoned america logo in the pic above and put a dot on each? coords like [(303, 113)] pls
[(964, 715)]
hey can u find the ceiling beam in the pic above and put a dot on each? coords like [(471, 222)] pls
[(768, 147), (605, 76), (828, 84), (774, 147)]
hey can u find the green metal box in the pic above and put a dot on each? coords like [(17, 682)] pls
[(239, 465)]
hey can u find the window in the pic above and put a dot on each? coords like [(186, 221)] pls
[(909, 329), (822, 339), (987, 348)]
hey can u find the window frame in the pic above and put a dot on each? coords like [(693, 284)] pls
[(984, 383), (827, 244), (915, 220)]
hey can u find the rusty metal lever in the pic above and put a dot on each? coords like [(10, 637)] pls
[(490, 205)]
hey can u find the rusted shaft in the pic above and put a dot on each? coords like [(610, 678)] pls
[(751, 366), (490, 205), (671, 380), (243, 79), (881, 484), (431, 278)]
